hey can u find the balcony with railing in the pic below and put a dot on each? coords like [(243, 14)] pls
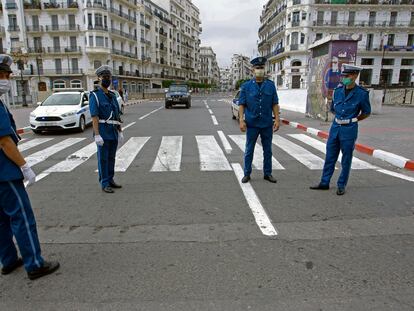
[(13, 28), (124, 53), (62, 28), (276, 52), (123, 34), (96, 5), (275, 32), (123, 15), (11, 5), (36, 50), (98, 27), (374, 24), (163, 33), (364, 2), (37, 28), (54, 5), (32, 5)]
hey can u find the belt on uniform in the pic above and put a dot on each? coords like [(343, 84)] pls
[(346, 121), (113, 122)]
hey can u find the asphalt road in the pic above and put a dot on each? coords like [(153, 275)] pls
[(184, 234)]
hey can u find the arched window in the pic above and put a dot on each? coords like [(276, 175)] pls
[(59, 84), (76, 84), (296, 63)]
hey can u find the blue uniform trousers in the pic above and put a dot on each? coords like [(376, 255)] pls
[(333, 147), (266, 135), (17, 219), (106, 162)]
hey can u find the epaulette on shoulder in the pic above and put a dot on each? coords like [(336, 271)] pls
[(339, 87)]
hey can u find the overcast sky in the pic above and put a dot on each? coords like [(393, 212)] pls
[(230, 26)]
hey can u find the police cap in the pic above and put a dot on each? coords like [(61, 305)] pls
[(350, 69), (258, 61), (103, 70), (5, 62)]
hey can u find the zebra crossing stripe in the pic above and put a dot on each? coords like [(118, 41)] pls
[(240, 141), (127, 153), (357, 164), (225, 142), (169, 155), (74, 160), (33, 143), (299, 153), (42, 155), (212, 157)]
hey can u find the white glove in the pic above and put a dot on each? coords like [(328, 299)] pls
[(99, 141), (28, 174), (120, 138)]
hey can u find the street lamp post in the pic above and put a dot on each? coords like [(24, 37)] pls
[(20, 66), (382, 75)]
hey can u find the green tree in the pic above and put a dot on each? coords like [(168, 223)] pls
[(240, 82)]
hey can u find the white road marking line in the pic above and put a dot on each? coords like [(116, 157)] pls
[(129, 125), (148, 114), (214, 120), (211, 111), (169, 155), (33, 143), (401, 176), (225, 142), (212, 157), (74, 160), (240, 141), (205, 103), (357, 164), (128, 152), (301, 154), (259, 213), (42, 155)]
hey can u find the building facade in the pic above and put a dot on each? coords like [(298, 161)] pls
[(289, 27), (240, 68), (226, 81), (209, 69), (62, 43)]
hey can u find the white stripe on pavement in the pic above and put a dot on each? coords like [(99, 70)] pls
[(240, 141), (74, 160), (212, 157), (33, 143), (129, 125), (225, 142), (169, 155), (301, 154), (127, 153), (214, 120), (148, 114), (357, 164), (397, 175), (259, 213), (211, 111), (42, 155)]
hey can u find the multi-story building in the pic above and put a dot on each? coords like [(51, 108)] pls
[(289, 27), (240, 68), (225, 79), (62, 43), (209, 70)]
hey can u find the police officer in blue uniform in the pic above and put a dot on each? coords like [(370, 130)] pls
[(16, 215), (107, 128), (258, 101), (350, 104)]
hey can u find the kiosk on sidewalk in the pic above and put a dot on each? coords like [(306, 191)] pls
[(325, 64)]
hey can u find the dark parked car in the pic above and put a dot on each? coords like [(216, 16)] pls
[(178, 94)]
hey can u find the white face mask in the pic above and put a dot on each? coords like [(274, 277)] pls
[(4, 86), (259, 73)]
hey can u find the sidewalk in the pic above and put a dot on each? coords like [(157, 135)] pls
[(391, 131)]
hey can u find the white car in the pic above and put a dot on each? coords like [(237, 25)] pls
[(62, 111), (235, 106), (120, 101)]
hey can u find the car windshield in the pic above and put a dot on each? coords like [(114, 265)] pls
[(178, 88), (62, 100)]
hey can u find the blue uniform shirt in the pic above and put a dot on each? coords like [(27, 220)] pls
[(106, 109), (348, 107), (258, 102), (9, 171)]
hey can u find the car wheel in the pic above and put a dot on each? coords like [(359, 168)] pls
[(82, 124), (122, 109), (188, 106)]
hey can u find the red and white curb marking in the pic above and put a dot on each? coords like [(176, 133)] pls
[(389, 157), (24, 130)]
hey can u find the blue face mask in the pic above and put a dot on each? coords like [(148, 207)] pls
[(106, 83)]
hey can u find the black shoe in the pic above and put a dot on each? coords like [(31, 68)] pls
[(108, 189), (10, 269), (48, 268), (245, 179), (270, 178), (340, 191), (319, 187), (114, 185)]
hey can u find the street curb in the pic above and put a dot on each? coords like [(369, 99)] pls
[(23, 130), (389, 157)]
